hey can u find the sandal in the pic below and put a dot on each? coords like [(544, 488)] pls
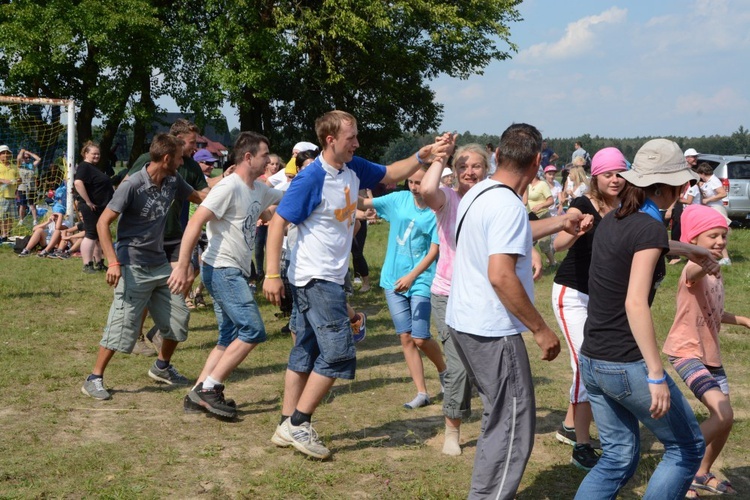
[(722, 487), (692, 494)]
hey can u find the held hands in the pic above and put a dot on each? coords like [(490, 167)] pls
[(548, 343), (273, 290), (577, 223), (705, 258), (442, 148)]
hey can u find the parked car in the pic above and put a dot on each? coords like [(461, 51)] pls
[(734, 172)]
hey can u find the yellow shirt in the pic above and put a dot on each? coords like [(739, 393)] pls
[(8, 172)]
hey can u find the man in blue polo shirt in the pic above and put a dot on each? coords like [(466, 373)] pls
[(322, 201)]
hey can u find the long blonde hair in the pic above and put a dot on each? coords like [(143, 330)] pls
[(578, 176)]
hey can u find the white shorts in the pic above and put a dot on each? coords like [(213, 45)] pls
[(571, 310)]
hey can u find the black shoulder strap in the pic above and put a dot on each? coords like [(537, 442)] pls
[(495, 186)]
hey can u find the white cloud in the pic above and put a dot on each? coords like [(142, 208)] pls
[(579, 38), (725, 98)]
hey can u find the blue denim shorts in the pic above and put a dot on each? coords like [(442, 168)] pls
[(324, 333), (410, 314), (234, 304)]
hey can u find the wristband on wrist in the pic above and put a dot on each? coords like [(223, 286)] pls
[(657, 380), (419, 160), (272, 276), (114, 264)]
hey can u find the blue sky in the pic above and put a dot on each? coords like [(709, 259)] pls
[(613, 69)]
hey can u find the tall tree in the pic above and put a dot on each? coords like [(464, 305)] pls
[(93, 51), (283, 63)]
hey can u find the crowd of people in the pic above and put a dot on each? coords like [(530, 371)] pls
[(460, 256)]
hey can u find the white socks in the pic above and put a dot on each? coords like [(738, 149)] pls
[(422, 399), (451, 446)]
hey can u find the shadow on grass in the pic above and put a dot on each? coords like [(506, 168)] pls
[(556, 482), (358, 386), (393, 434), (33, 295)]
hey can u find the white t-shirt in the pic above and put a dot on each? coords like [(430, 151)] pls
[(231, 237), (322, 202), (497, 223), (708, 189), (695, 192), (278, 178), (556, 189)]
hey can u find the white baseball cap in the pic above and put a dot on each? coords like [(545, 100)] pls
[(691, 152)]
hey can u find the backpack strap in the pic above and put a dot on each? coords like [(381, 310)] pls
[(460, 223)]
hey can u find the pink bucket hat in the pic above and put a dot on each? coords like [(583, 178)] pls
[(550, 168), (608, 160), (697, 219)]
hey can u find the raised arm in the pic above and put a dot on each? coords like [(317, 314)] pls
[(400, 170), (432, 195)]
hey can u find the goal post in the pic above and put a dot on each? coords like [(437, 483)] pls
[(46, 128)]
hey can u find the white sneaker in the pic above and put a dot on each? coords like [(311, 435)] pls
[(281, 437), (305, 439)]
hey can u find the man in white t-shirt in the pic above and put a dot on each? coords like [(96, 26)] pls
[(322, 202), (491, 304), (230, 212)]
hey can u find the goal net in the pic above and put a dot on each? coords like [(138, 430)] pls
[(40, 136)]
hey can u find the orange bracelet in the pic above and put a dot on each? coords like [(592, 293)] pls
[(114, 264)]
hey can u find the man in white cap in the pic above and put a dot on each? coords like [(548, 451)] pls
[(8, 184), (280, 176)]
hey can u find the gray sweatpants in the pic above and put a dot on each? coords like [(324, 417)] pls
[(499, 366), (457, 390)]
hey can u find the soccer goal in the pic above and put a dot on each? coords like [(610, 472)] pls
[(40, 134)]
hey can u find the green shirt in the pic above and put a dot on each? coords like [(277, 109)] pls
[(193, 175)]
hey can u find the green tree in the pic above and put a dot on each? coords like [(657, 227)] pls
[(105, 55), (282, 64)]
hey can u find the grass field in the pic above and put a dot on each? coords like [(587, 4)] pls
[(58, 443)]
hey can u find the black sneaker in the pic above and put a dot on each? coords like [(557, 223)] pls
[(568, 436), (99, 266), (213, 400), (189, 407), (584, 457), (89, 268), (24, 253)]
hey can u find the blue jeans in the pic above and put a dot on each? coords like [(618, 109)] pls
[(620, 399), (324, 333), (234, 304)]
